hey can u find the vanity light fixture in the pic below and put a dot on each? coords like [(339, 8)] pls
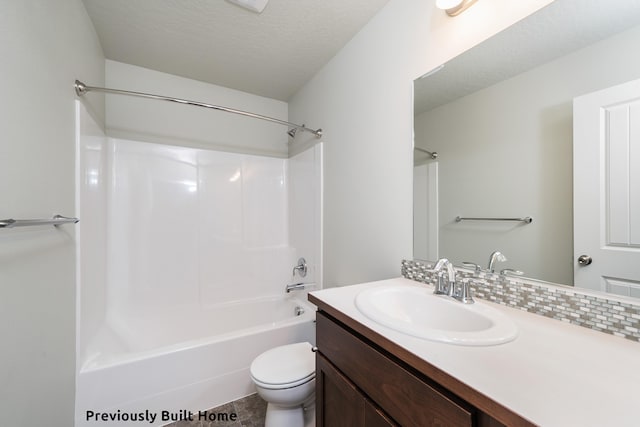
[(454, 7)]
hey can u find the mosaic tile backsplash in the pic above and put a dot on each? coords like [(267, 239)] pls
[(568, 305)]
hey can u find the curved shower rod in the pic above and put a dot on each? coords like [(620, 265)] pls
[(433, 154), (82, 89)]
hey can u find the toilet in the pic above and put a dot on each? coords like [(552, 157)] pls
[(285, 377)]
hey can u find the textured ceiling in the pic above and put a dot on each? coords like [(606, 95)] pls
[(555, 30), (270, 54)]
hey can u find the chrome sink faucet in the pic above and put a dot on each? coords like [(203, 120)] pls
[(449, 287), (443, 288), (495, 257)]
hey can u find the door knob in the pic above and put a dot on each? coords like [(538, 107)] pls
[(584, 260)]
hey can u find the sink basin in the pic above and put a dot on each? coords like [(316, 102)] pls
[(416, 311)]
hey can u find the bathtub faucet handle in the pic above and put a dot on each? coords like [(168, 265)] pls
[(301, 268)]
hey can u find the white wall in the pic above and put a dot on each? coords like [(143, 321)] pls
[(171, 123), (91, 232), (45, 46), (363, 99), (513, 157), (192, 228), (305, 212), (172, 231)]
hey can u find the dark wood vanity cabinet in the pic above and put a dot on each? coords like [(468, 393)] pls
[(343, 405), (360, 384)]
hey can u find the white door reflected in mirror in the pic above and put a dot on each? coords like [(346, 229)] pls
[(606, 154)]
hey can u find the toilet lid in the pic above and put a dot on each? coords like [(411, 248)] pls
[(286, 364)]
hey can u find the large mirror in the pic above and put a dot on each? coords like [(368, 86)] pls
[(500, 118)]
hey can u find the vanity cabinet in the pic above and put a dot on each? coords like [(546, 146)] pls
[(343, 405), (359, 383)]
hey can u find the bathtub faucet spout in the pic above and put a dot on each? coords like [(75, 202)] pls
[(297, 286)]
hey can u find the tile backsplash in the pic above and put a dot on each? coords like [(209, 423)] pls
[(566, 304)]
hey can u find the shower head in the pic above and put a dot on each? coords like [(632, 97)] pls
[(292, 132)]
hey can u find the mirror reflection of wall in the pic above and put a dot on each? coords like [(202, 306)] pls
[(506, 151), (425, 208)]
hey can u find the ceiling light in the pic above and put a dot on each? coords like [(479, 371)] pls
[(454, 7), (253, 5)]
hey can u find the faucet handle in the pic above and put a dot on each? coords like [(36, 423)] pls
[(440, 288), (473, 265), (464, 295), (301, 268), (511, 272)]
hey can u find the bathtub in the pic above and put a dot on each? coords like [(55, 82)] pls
[(188, 360)]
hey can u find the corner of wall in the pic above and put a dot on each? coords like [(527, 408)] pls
[(46, 46), (363, 100)]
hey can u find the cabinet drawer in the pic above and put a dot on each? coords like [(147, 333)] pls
[(406, 398)]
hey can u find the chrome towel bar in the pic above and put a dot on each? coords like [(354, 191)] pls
[(56, 220), (527, 219)]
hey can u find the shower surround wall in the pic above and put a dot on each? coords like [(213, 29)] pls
[(189, 226), (184, 256)]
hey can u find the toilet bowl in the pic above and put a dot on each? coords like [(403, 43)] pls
[(285, 378)]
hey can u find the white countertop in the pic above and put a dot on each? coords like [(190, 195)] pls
[(553, 373)]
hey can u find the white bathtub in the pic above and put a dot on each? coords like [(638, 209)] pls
[(185, 360)]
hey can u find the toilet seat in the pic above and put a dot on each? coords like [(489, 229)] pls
[(283, 386), (284, 367)]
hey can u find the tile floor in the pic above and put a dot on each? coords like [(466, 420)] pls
[(250, 412)]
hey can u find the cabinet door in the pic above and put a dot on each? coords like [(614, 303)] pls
[(409, 400), (338, 402), (374, 417)]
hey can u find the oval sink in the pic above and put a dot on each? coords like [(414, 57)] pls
[(416, 311)]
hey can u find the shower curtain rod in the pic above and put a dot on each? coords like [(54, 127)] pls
[(82, 89), (433, 155)]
